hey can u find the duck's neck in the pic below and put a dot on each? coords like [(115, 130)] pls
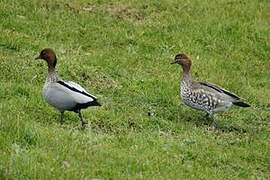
[(52, 75), (186, 77)]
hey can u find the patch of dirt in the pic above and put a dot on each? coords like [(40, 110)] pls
[(124, 12), (120, 11)]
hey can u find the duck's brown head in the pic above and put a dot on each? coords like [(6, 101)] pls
[(183, 60), (48, 55)]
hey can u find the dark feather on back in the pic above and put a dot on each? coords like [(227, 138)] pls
[(215, 87)]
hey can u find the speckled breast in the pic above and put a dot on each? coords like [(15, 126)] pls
[(197, 99)]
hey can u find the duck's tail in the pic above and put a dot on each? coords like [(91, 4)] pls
[(241, 104)]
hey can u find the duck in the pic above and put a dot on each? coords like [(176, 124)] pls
[(64, 95), (204, 96)]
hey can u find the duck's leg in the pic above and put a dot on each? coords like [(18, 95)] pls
[(81, 118), (207, 118), (212, 125), (62, 117)]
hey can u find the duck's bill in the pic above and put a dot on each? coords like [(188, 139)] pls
[(173, 62), (37, 58)]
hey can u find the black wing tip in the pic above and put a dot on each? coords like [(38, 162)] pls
[(241, 104)]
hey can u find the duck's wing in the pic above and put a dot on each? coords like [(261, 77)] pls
[(78, 92), (219, 89)]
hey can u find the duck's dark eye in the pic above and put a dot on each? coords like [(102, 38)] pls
[(43, 54)]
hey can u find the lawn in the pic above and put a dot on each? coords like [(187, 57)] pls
[(121, 52)]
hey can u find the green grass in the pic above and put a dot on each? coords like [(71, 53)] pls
[(121, 52)]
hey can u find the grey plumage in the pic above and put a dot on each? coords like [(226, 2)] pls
[(203, 95), (208, 97)]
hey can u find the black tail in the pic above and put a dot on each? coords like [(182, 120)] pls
[(241, 104), (80, 106), (95, 103), (92, 103)]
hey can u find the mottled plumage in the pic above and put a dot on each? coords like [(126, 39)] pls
[(203, 95)]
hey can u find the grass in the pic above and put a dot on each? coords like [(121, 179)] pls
[(121, 52)]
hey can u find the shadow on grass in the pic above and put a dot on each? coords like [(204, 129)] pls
[(203, 121)]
